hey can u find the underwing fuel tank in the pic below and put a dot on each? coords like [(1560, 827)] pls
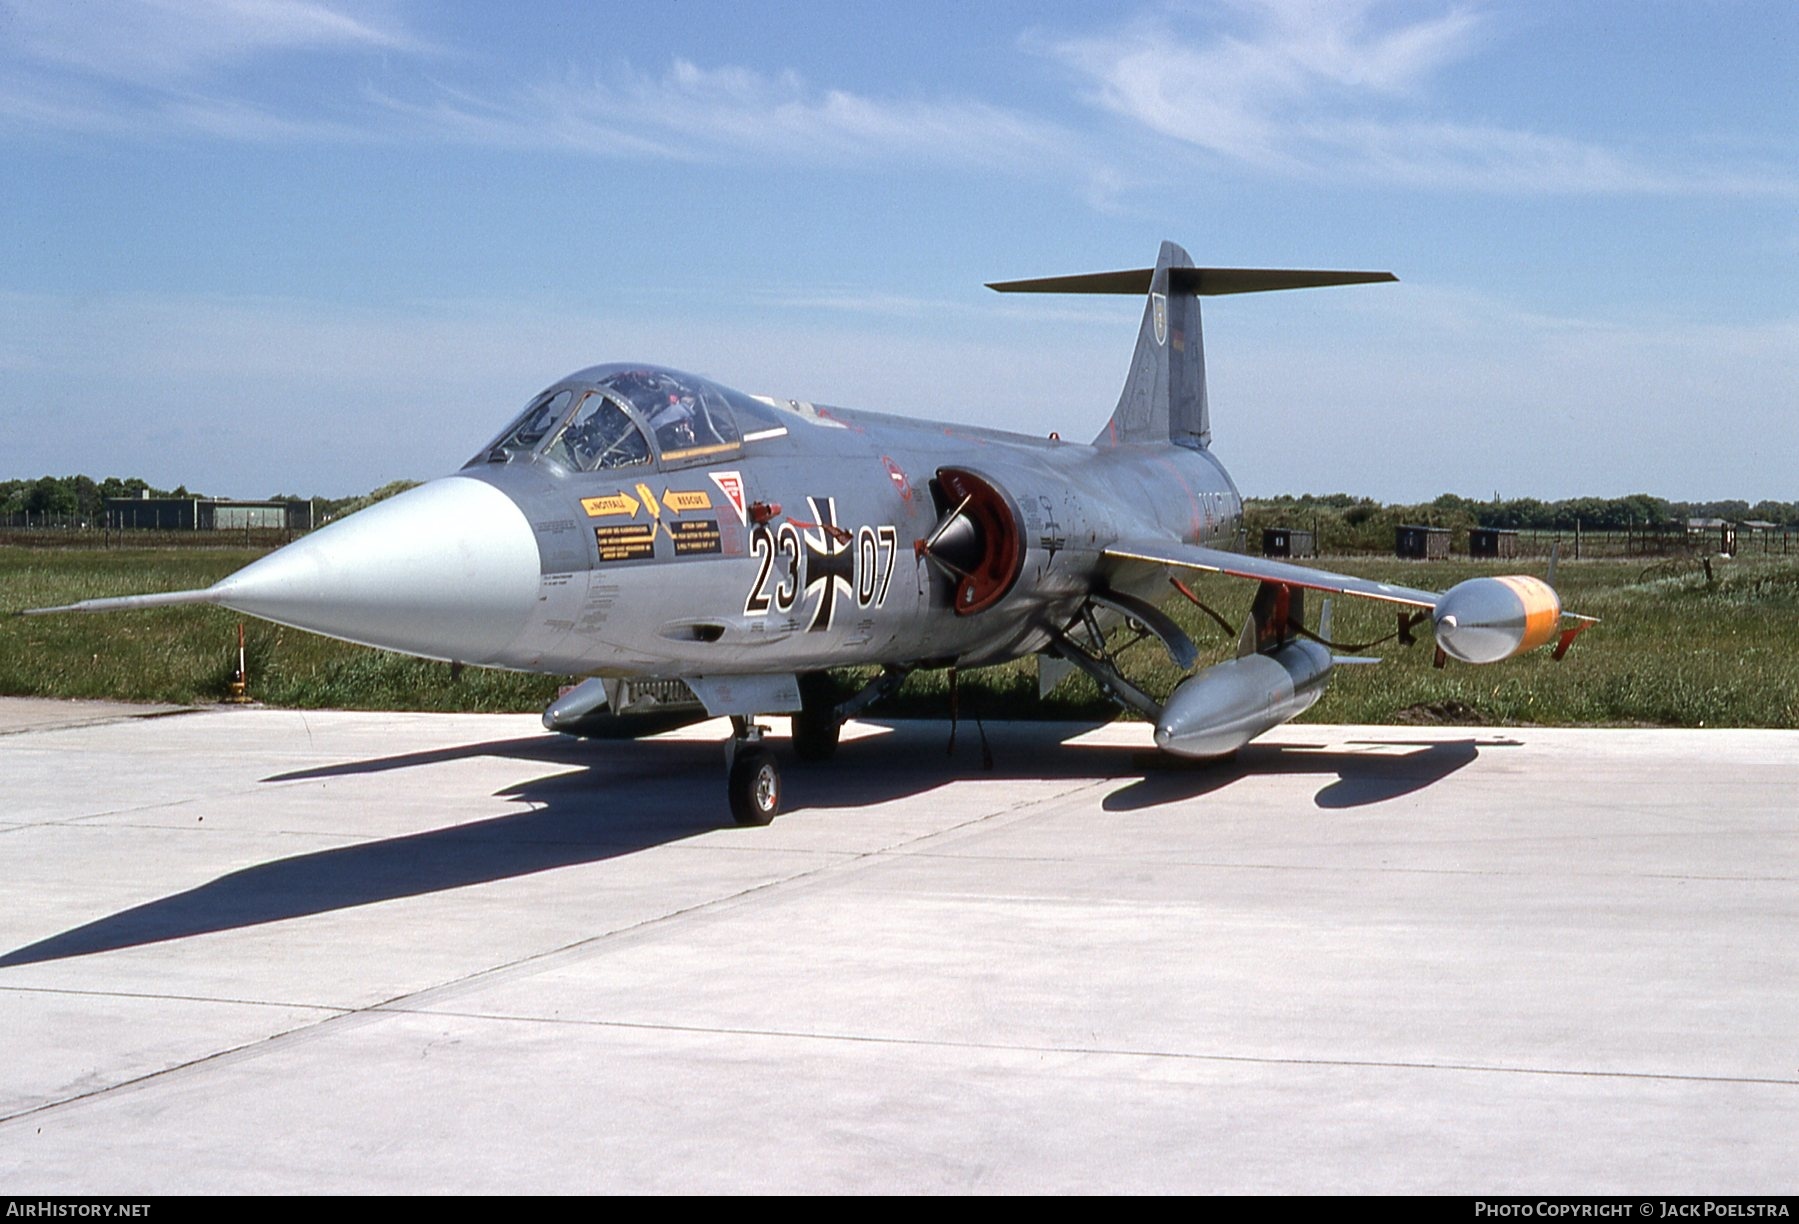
[(1226, 706), (1484, 620)]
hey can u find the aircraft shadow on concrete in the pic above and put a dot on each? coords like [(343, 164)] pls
[(612, 798), (1361, 777)]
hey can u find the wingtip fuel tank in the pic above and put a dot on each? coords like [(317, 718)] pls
[(1485, 620)]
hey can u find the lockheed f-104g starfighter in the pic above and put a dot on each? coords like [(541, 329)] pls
[(695, 551)]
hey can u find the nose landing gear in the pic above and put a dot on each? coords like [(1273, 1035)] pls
[(754, 782), (755, 777)]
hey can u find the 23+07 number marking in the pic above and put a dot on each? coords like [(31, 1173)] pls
[(875, 550)]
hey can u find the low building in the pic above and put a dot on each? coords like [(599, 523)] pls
[(1716, 534), (1288, 542), (1492, 542), (1759, 535), (206, 514), (1414, 543)]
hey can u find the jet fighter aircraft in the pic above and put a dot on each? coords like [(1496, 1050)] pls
[(695, 551)]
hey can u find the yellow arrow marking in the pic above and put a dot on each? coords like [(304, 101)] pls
[(677, 502), (611, 503), (649, 500)]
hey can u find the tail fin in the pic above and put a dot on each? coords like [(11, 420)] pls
[(1164, 397)]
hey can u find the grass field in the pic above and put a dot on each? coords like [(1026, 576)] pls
[(1673, 649)]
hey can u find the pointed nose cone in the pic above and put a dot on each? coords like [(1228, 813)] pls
[(448, 570)]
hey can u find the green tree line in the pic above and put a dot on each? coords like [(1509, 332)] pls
[(83, 499), (1346, 523), (1344, 514), (75, 496)]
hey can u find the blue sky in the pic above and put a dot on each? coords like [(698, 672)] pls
[(311, 247)]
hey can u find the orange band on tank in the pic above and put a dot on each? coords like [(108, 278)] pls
[(1542, 610)]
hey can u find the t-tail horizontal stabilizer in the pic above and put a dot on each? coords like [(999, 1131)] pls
[(1203, 282), (1164, 397)]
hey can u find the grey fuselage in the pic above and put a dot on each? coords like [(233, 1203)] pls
[(662, 569)]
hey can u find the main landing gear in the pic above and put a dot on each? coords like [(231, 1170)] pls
[(817, 724)]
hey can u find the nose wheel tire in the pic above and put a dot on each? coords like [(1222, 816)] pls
[(755, 786)]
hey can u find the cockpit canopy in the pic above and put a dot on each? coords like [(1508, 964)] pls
[(622, 416)]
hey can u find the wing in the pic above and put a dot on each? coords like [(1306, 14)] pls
[(1261, 569)]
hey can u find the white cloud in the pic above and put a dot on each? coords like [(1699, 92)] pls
[(734, 114), (1339, 90), (1325, 91), (1236, 94), (35, 104), (167, 41), (162, 69)]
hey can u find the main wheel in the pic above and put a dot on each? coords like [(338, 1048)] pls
[(815, 733), (755, 786)]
